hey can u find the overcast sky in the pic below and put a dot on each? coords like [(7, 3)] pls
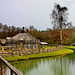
[(32, 12)]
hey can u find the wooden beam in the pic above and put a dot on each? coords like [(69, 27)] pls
[(10, 66)]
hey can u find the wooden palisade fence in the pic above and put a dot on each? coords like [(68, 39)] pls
[(3, 68)]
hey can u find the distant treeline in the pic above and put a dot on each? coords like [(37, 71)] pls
[(49, 36), (53, 36), (9, 31)]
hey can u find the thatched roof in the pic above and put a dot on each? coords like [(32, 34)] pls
[(23, 36)]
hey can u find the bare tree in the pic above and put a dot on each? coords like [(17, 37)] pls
[(13, 28), (5, 28), (31, 27), (18, 29), (0, 26), (59, 19)]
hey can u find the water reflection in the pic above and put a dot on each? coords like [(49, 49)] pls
[(61, 65)]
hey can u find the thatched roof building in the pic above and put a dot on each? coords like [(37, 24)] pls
[(23, 40)]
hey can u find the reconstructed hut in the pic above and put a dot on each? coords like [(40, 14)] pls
[(23, 40)]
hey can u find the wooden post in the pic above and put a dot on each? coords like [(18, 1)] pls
[(36, 45), (5, 69), (29, 45), (1, 67), (12, 73)]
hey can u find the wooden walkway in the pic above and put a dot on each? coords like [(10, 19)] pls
[(3, 68)]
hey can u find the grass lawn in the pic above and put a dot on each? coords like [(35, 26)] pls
[(46, 47), (70, 47), (40, 55)]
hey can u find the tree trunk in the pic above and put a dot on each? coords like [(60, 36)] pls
[(61, 37)]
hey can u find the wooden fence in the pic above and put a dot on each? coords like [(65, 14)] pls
[(3, 68)]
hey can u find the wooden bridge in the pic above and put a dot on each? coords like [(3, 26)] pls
[(3, 68)]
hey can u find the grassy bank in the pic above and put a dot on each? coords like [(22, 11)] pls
[(40, 55), (70, 47)]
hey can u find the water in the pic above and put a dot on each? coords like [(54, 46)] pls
[(61, 65)]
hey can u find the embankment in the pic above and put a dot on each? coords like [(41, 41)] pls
[(39, 55)]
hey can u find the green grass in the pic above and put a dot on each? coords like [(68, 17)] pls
[(46, 46), (40, 55), (70, 47)]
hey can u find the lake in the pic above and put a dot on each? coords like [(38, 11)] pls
[(60, 65)]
